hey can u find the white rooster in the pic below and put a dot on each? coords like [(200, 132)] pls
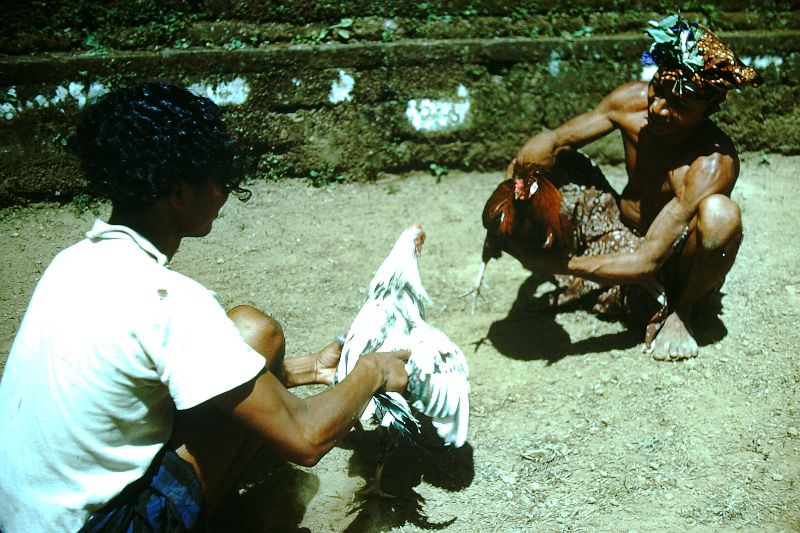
[(393, 318)]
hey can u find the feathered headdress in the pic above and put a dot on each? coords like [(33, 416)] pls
[(694, 59)]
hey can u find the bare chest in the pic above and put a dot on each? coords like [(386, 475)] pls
[(655, 177)]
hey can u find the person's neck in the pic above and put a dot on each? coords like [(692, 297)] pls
[(678, 138), (151, 223)]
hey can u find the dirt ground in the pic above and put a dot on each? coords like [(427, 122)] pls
[(573, 428)]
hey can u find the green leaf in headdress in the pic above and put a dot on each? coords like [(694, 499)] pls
[(667, 22), (675, 43), (659, 35)]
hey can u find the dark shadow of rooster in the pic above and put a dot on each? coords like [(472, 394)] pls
[(530, 330), (274, 495), (451, 469)]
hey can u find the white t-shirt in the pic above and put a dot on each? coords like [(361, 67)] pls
[(112, 342)]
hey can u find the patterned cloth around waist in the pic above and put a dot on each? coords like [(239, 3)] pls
[(168, 498), (598, 229)]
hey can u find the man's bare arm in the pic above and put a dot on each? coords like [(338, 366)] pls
[(544, 147), (315, 368), (709, 175), (304, 430)]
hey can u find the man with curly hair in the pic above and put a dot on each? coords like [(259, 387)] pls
[(131, 400), (681, 171)]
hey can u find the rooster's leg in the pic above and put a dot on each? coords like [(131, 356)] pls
[(476, 290), (387, 443)]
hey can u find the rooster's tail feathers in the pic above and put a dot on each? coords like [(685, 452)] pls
[(392, 410)]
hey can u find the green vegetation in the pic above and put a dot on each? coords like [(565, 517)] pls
[(341, 31), (326, 176), (82, 202), (94, 46), (273, 167), (438, 171)]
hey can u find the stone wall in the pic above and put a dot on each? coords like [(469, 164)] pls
[(351, 89)]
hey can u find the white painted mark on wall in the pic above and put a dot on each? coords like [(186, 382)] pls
[(341, 88), (437, 115), (554, 66), (762, 62), (234, 92), (76, 91)]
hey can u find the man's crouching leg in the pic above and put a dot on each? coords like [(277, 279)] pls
[(217, 446), (699, 269)]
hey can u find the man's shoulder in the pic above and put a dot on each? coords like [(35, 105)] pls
[(713, 146), (717, 138), (714, 156), (116, 268), (628, 97)]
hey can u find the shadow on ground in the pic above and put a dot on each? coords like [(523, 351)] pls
[(707, 323), (448, 468), (530, 330), (271, 499), (274, 496)]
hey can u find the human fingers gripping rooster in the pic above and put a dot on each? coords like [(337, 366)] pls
[(393, 318)]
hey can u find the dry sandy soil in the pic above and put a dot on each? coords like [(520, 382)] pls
[(573, 427)]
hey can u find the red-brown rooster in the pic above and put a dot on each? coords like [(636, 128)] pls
[(569, 210), (524, 212)]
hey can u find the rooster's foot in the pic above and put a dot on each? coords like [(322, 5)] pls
[(374, 490)]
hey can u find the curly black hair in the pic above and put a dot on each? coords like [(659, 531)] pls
[(137, 143)]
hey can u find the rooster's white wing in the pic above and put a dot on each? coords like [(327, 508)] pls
[(439, 383)]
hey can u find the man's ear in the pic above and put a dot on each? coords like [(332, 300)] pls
[(177, 197), (714, 106)]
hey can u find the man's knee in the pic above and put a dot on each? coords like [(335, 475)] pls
[(260, 331), (719, 222)]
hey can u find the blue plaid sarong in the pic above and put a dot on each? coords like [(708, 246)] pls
[(167, 498)]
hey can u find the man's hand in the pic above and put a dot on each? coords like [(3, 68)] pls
[(392, 366), (325, 362)]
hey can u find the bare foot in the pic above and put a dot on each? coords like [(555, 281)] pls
[(674, 341)]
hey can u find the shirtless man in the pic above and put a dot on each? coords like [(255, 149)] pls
[(681, 171)]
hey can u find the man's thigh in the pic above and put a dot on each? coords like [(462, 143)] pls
[(168, 498)]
